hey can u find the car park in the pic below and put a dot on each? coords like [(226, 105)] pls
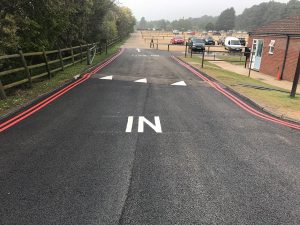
[(233, 44), (221, 41), (197, 44), (209, 41), (242, 41), (216, 33), (177, 40), (175, 32)]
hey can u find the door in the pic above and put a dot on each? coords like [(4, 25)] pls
[(257, 48)]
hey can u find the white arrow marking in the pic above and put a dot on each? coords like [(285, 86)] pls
[(180, 83), (138, 50), (141, 81), (77, 76), (107, 78)]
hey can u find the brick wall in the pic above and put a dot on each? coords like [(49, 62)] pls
[(292, 59), (272, 64)]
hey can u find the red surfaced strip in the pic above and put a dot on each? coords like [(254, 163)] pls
[(236, 100), (21, 116)]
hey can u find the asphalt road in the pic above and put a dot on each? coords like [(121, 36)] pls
[(73, 162)]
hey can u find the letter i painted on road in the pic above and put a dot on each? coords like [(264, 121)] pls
[(141, 124)]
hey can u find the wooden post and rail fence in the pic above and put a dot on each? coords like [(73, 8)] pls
[(49, 62)]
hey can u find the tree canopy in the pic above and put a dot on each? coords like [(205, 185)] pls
[(49, 24), (252, 17), (226, 21)]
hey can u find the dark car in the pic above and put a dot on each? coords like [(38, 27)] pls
[(242, 41), (209, 41), (197, 44)]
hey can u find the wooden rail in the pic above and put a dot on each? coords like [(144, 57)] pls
[(49, 62)]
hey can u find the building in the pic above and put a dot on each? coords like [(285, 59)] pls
[(276, 48)]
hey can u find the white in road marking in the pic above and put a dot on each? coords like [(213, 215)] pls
[(180, 83), (106, 78), (141, 81), (142, 120), (138, 50), (156, 127), (129, 124)]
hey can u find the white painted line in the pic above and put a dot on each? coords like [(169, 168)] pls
[(138, 50), (180, 83), (106, 78), (129, 124), (141, 81), (154, 55)]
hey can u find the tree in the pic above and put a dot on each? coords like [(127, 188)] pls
[(226, 21), (125, 21), (266, 12), (210, 26), (292, 8), (142, 24), (50, 24)]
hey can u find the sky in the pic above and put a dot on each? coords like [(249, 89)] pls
[(176, 9)]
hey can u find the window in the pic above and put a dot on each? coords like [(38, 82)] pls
[(272, 46)]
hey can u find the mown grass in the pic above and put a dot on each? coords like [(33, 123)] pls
[(22, 96), (232, 58), (278, 102)]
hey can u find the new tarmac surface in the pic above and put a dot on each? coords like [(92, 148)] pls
[(131, 148)]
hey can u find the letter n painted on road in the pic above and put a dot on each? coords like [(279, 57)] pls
[(142, 121)]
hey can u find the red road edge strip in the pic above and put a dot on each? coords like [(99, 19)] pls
[(23, 115), (236, 100)]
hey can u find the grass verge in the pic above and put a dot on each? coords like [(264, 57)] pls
[(277, 102), (23, 96), (232, 58)]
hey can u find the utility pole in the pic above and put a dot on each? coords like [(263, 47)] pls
[(296, 78)]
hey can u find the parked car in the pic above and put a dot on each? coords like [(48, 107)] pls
[(233, 44), (175, 32), (209, 41), (221, 41), (242, 41), (177, 40), (197, 44), (189, 32), (217, 33)]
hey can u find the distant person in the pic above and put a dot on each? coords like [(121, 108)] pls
[(152, 43)]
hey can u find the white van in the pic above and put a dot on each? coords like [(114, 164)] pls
[(233, 44)]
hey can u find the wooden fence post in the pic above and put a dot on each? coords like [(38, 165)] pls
[(2, 91), (61, 59), (72, 53), (100, 48), (46, 62), (81, 54), (26, 67), (88, 56), (203, 55), (106, 47)]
